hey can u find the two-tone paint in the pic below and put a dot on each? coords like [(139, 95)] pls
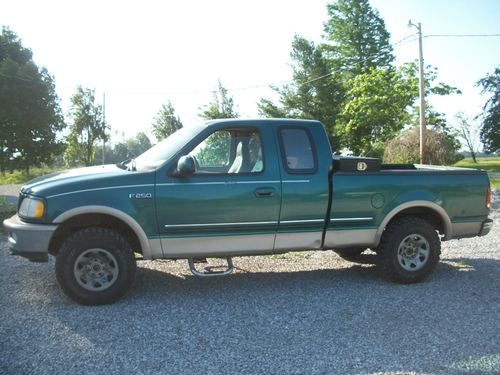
[(176, 216)]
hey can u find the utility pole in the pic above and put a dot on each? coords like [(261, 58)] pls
[(423, 156), (104, 122)]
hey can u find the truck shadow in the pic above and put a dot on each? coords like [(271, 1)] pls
[(321, 319), (360, 271), (281, 314)]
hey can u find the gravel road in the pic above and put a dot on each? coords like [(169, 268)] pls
[(303, 313)]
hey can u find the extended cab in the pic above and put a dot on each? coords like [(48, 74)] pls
[(242, 187)]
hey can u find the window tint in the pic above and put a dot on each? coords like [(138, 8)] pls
[(297, 150)]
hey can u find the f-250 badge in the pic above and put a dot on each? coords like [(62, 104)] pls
[(140, 195)]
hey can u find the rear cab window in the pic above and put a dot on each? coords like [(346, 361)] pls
[(297, 150)]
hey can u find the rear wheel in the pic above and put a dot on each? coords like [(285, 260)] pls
[(350, 252), (409, 250), (95, 266)]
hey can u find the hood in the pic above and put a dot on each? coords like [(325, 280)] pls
[(78, 177)]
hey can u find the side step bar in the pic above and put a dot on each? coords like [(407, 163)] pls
[(208, 269)]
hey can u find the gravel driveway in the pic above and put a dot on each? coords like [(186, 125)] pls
[(303, 313)]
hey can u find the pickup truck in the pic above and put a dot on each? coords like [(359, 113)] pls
[(242, 187)]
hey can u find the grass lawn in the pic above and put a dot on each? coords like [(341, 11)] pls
[(18, 177), (488, 164), (495, 183)]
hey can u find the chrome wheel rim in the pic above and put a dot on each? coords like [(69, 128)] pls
[(96, 270), (413, 252)]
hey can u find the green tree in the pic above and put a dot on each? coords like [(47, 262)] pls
[(357, 40), (138, 144), (349, 83), (381, 102), (86, 129), (374, 109), (410, 71), (127, 149), (166, 122), (221, 106), (315, 92), (490, 130), (433, 119), (214, 148), (30, 116)]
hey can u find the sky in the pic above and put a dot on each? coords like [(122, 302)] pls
[(144, 53)]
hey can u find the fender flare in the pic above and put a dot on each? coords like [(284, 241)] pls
[(421, 203), (120, 215)]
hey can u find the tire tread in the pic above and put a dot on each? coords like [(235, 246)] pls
[(386, 254), (69, 250)]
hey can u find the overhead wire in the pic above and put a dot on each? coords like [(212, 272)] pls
[(403, 41), (459, 35)]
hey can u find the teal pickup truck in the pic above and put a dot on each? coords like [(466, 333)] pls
[(242, 187)]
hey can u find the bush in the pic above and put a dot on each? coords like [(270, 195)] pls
[(441, 148)]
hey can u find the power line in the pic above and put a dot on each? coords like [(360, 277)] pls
[(407, 39), (266, 85), (406, 42), (402, 40), (278, 83), (459, 35)]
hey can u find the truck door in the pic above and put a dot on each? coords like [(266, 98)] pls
[(304, 187), (230, 204)]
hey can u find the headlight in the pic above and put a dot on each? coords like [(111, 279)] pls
[(31, 208)]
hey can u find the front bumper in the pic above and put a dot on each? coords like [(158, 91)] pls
[(29, 240)]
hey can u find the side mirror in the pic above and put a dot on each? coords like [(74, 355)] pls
[(186, 165)]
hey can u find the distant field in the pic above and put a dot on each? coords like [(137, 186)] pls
[(488, 164)]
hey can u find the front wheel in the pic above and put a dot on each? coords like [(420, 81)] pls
[(95, 266), (409, 250)]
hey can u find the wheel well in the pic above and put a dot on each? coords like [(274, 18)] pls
[(73, 224), (425, 213)]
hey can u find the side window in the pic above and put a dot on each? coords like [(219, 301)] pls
[(297, 151), (229, 151), (214, 151)]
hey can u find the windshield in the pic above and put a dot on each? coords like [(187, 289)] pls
[(163, 151)]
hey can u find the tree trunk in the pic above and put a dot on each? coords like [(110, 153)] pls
[(2, 162), (473, 154)]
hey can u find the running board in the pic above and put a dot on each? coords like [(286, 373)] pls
[(209, 272)]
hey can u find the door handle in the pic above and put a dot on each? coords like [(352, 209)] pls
[(264, 192)]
